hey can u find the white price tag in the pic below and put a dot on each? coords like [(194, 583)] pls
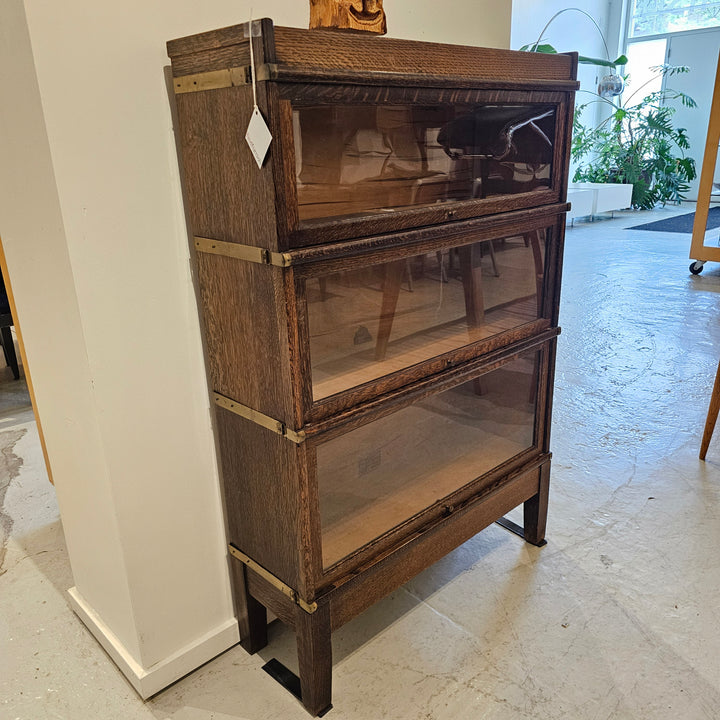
[(258, 136)]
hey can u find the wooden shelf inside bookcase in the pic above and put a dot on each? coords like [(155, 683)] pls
[(362, 522), (407, 351)]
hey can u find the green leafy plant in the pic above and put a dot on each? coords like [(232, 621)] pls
[(637, 143), (547, 48), (540, 46)]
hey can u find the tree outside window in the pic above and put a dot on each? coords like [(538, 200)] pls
[(655, 17)]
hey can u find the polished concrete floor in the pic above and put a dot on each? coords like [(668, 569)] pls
[(617, 617)]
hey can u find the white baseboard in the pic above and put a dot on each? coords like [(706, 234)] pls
[(149, 681)]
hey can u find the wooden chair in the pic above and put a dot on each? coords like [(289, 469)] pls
[(471, 275), (711, 416), (6, 322)]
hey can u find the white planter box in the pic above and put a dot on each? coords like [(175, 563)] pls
[(607, 197), (581, 203)]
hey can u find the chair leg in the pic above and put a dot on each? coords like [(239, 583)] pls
[(391, 290), (9, 350), (323, 288), (408, 265), (493, 259), (711, 415), (441, 265), (533, 239), (471, 273)]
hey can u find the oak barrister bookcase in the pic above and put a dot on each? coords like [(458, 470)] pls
[(379, 302)]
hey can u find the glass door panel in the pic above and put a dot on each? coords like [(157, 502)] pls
[(362, 159), (379, 475), (367, 323)]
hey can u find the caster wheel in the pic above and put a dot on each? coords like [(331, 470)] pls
[(696, 267)]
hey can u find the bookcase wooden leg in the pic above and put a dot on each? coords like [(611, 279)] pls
[(535, 510), (251, 614), (315, 659)]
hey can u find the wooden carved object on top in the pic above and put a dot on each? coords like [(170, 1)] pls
[(359, 15)]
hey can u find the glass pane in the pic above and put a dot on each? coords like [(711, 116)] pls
[(655, 17), (374, 158), (378, 475), (642, 56), (373, 321)]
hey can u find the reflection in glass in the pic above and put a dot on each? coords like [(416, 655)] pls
[(374, 158), (378, 475), (373, 321)]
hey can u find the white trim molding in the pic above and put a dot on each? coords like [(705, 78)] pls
[(149, 681)]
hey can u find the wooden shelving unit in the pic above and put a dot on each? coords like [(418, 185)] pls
[(380, 304)]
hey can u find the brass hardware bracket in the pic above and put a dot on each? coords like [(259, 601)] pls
[(275, 582), (243, 252), (259, 418), (215, 79)]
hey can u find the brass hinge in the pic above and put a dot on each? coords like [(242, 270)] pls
[(227, 77), (243, 252), (280, 428), (274, 581)]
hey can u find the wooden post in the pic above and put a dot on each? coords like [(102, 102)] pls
[(357, 15), (711, 416), (314, 658), (535, 510), (28, 380), (251, 614), (698, 250)]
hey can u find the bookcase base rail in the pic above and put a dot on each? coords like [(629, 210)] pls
[(341, 603)]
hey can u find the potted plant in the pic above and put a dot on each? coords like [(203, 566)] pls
[(637, 143)]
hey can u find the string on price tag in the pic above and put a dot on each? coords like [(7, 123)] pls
[(258, 135)]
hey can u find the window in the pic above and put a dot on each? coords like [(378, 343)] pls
[(642, 57), (656, 17)]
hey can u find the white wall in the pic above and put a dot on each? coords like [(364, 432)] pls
[(572, 31), (31, 227), (92, 222), (460, 22), (569, 31)]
